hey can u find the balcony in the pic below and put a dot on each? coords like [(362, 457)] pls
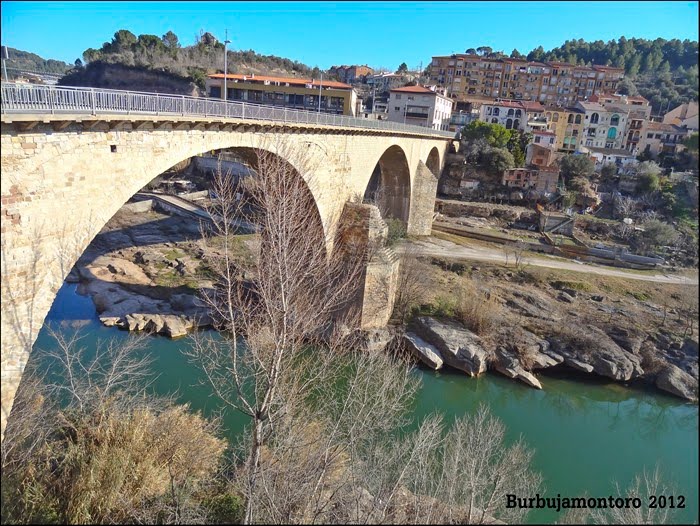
[(415, 115)]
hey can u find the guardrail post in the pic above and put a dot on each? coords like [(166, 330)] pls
[(182, 101), (157, 105), (128, 103), (94, 103)]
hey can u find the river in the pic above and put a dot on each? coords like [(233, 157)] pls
[(587, 433)]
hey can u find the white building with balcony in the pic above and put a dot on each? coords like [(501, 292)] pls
[(420, 106)]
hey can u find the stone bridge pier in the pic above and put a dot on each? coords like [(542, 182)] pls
[(65, 176)]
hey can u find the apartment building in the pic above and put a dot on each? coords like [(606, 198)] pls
[(351, 74), (543, 180), (660, 137), (638, 110), (288, 92), (420, 106), (514, 114), (567, 125), (554, 83), (604, 127), (387, 81)]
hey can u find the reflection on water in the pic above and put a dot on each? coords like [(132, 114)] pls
[(587, 432)]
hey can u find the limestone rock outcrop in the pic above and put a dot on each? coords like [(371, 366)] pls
[(459, 347), (426, 353)]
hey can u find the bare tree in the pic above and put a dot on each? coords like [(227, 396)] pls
[(299, 295), (645, 487), (516, 250), (325, 442)]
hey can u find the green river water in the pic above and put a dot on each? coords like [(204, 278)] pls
[(587, 433)]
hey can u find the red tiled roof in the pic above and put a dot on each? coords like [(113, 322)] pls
[(287, 80), (533, 105)]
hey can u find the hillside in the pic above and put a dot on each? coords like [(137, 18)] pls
[(166, 55), (24, 60)]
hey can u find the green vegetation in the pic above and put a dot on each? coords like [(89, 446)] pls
[(173, 254), (572, 166), (397, 231), (493, 147), (165, 53), (656, 234)]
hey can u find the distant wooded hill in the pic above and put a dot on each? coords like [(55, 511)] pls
[(165, 53), (26, 61)]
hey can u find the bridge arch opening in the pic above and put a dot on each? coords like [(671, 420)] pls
[(389, 187), (433, 162)]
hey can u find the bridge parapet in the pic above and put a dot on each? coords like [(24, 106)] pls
[(29, 99)]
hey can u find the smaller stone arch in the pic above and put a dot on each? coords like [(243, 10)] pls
[(433, 161), (389, 186)]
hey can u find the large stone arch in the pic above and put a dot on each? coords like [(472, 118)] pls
[(64, 176), (389, 185), (65, 197)]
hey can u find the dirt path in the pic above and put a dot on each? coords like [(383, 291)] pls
[(433, 246)]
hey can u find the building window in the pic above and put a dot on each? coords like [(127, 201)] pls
[(494, 121), (612, 133), (594, 118), (509, 123), (537, 139), (496, 111), (398, 96), (578, 119), (615, 120), (511, 112), (518, 113), (516, 123), (571, 119), (397, 108), (555, 117), (215, 92)]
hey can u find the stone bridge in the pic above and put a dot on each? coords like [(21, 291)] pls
[(66, 170)]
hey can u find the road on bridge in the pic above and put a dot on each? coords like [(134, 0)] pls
[(436, 247)]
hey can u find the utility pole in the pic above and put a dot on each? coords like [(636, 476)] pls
[(5, 56), (320, 91), (226, 42)]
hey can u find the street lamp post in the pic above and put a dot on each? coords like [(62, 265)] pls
[(226, 42), (320, 92)]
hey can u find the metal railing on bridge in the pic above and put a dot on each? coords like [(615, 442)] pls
[(40, 99)]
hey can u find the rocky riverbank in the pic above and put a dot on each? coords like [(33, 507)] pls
[(439, 344), (611, 328), (144, 272)]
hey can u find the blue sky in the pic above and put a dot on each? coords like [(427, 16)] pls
[(327, 33)]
